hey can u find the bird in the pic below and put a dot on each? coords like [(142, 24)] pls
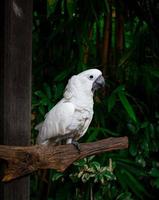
[(70, 118)]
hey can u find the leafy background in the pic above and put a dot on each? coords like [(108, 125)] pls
[(121, 39)]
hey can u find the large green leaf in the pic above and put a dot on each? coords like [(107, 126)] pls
[(71, 4), (47, 89), (127, 106), (135, 185), (111, 101)]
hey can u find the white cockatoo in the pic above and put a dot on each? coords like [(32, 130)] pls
[(70, 118)]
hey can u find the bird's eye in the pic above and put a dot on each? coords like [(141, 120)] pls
[(91, 77)]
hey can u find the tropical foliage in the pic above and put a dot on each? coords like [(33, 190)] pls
[(121, 39)]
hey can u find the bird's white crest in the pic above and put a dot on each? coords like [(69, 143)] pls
[(70, 118)]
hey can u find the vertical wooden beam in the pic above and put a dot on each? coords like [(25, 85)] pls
[(15, 84)]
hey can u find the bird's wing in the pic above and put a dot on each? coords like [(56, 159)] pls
[(64, 121), (80, 123), (56, 121)]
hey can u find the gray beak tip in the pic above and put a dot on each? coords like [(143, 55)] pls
[(98, 83)]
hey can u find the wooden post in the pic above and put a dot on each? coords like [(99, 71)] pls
[(15, 84)]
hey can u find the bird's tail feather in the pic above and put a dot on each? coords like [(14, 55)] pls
[(38, 126)]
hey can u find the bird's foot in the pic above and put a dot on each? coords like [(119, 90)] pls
[(77, 145)]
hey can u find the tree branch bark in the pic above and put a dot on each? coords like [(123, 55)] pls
[(23, 160)]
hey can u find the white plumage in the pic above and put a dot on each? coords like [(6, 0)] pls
[(70, 118)]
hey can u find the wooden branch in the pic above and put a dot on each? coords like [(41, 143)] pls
[(23, 160)]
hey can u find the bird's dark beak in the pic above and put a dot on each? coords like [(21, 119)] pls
[(98, 83)]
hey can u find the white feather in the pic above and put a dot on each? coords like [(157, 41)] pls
[(70, 118)]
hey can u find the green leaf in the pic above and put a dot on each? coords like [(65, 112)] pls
[(127, 106), (111, 101), (58, 91), (110, 132), (47, 90), (96, 165), (40, 94), (70, 7), (93, 134), (135, 185), (154, 172), (80, 163), (44, 101), (56, 176), (121, 178), (132, 128), (124, 196), (131, 166), (154, 72), (133, 149), (144, 124), (106, 4), (156, 183), (51, 6), (62, 75), (42, 110)]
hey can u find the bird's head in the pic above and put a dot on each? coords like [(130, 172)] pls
[(92, 79), (84, 83)]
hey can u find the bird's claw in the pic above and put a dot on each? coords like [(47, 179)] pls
[(77, 145)]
